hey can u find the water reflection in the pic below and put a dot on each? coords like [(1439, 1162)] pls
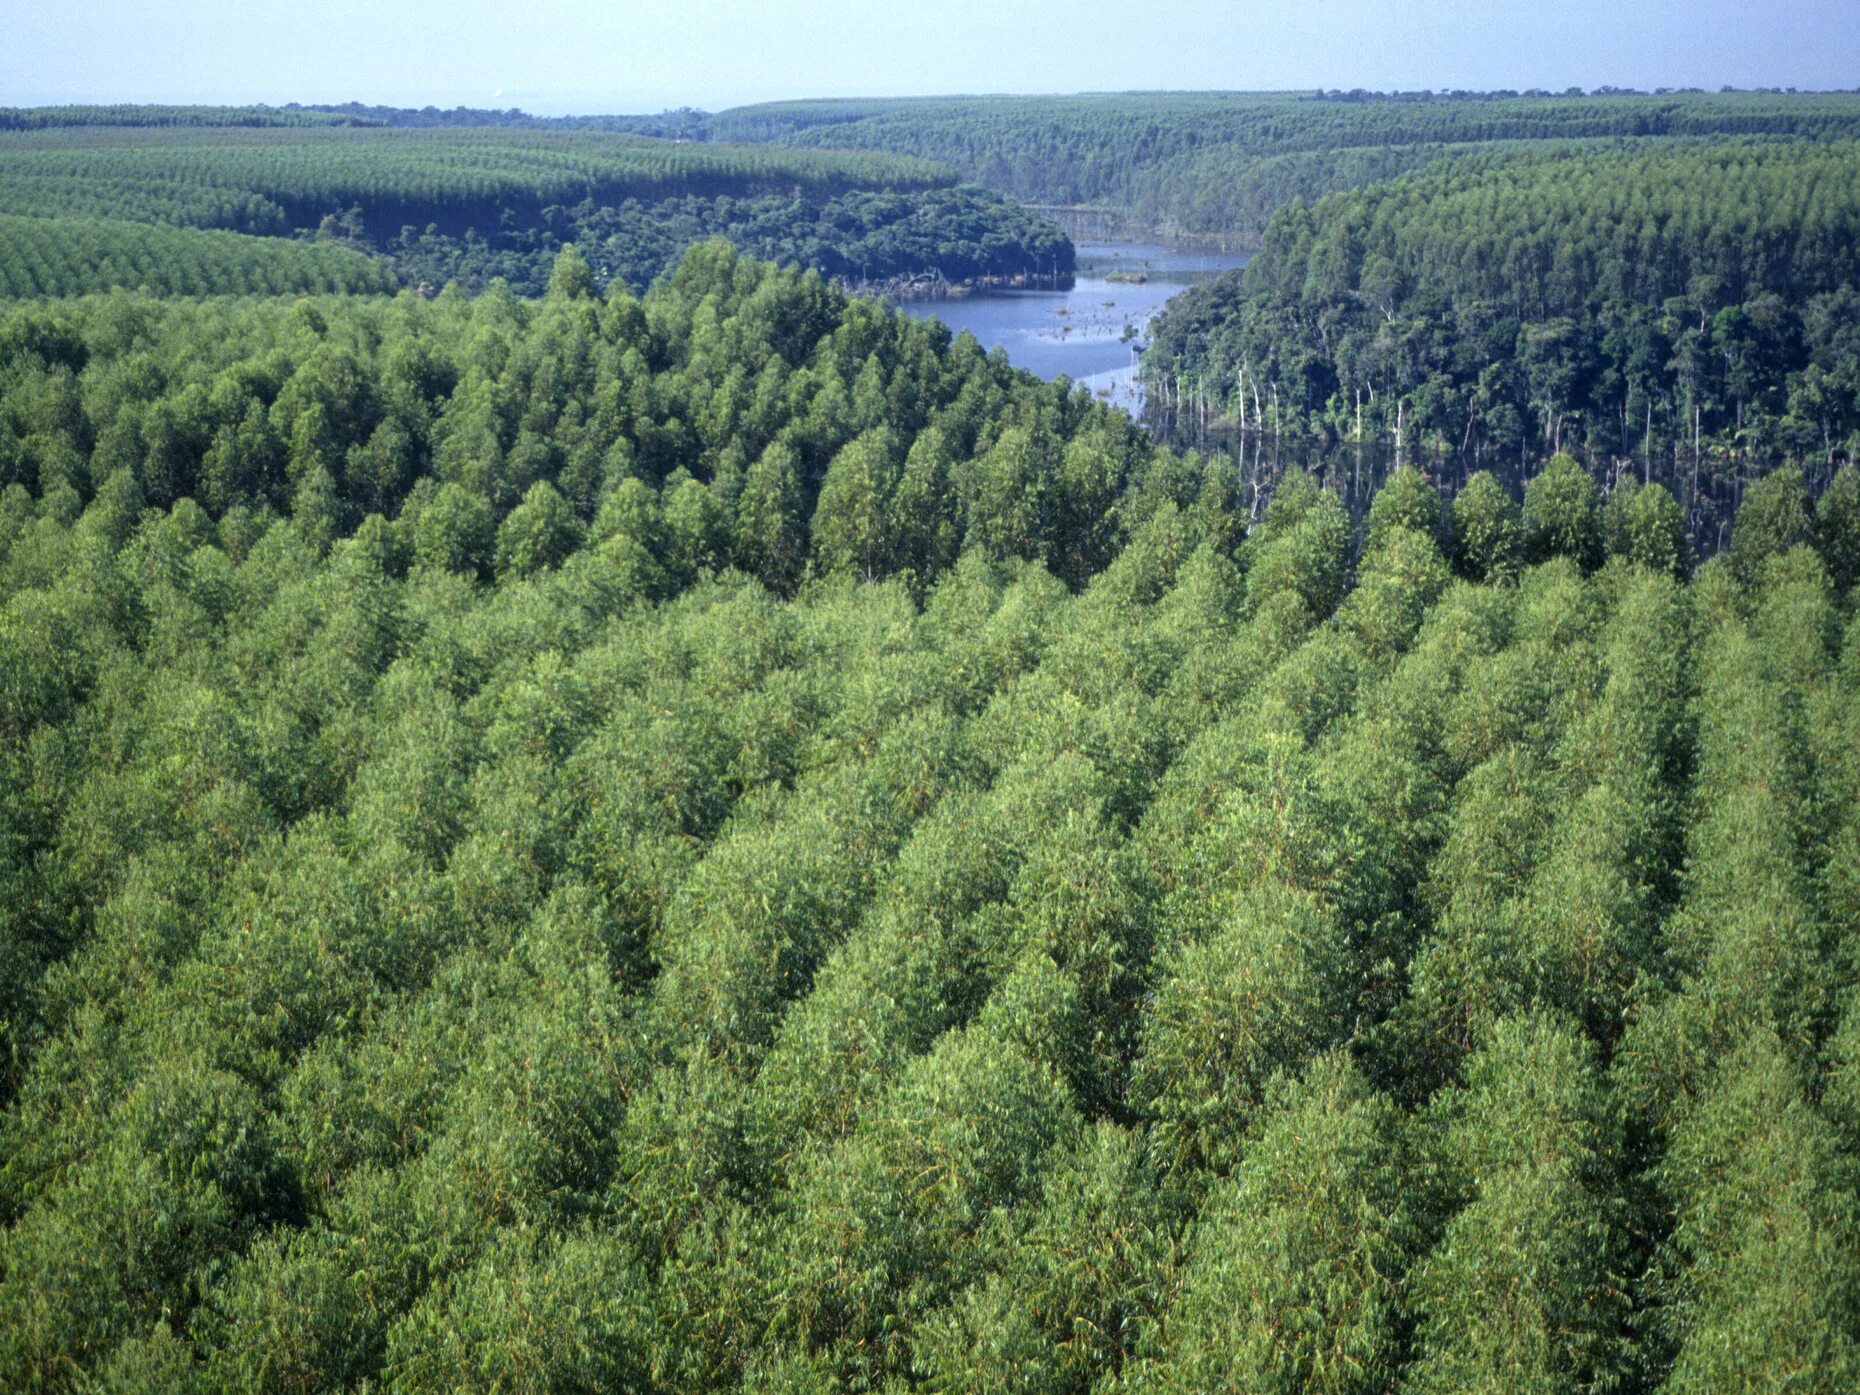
[(1089, 333)]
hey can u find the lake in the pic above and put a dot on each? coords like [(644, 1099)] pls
[(1086, 333)]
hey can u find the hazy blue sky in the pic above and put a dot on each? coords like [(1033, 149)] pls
[(640, 55)]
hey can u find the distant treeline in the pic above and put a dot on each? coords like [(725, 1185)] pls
[(686, 123), (681, 123), (1500, 94), (1166, 159), (134, 114), (1206, 162), (475, 204)]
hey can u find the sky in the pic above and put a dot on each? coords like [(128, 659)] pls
[(568, 56)]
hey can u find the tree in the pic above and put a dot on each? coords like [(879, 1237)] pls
[(635, 511), (1065, 1306), (884, 1222), (317, 508), (570, 278), (770, 540), (539, 533), (1562, 514), (697, 533), (1758, 1282), (1300, 553), (1291, 1281), (1406, 500), (186, 1171), (1646, 526), (1258, 999), (1775, 516), (1007, 505), (1085, 491), (1524, 1290), (1395, 585), (454, 531), (531, 1314), (850, 529), (377, 472), (922, 522), (1837, 527)]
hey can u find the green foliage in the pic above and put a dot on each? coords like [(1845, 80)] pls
[(1292, 1278), (74, 255), (189, 207), (1406, 500), (453, 531), (1524, 1290), (770, 535), (558, 1317), (850, 523), (539, 533), (1562, 514), (863, 237), (1224, 161), (1264, 993), (1776, 516), (1488, 530), (887, 1221), (1010, 488), (495, 433), (1646, 526), (311, 170), (570, 278), (728, 842), (1837, 527), (1622, 301), (1761, 1267)]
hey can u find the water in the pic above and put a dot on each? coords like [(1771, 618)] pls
[(1089, 333)]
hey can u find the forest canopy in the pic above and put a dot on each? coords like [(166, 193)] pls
[(585, 806), (67, 256), (961, 236), (1221, 162), (430, 206), (1201, 163), (1683, 311), (729, 842)]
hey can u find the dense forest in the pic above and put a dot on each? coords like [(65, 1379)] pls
[(1698, 302), (428, 206), (72, 256), (471, 194), (1221, 162), (585, 808), (1207, 163), (727, 841), (456, 179), (963, 236)]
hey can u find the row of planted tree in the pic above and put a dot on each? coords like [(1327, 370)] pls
[(527, 942)]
